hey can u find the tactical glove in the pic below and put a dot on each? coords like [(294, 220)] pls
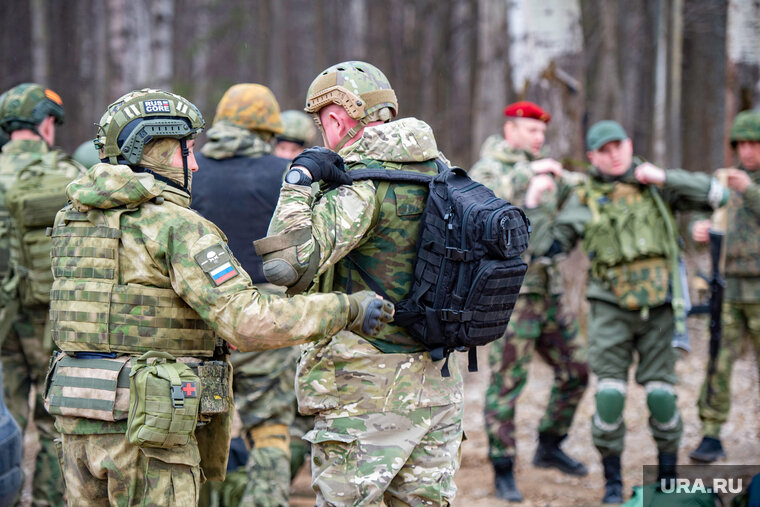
[(368, 314), (323, 164)]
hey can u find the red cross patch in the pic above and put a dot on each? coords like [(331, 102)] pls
[(189, 389)]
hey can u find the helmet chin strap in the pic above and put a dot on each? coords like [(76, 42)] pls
[(352, 132), (185, 155)]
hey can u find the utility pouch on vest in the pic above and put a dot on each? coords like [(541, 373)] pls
[(163, 401), (95, 388), (214, 377), (641, 283)]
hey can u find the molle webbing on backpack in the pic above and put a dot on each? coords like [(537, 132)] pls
[(467, 264), (91, 311)]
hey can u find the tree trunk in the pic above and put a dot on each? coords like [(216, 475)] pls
[(704, 81), (545, 52), (492, 87)]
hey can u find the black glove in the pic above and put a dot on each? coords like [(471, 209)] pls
[(368, 313), (323, 164)]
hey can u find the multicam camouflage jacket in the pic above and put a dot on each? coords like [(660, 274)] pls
[(507, 172), (17, 156), (622, 204), (226, 140), (742, 242), (347, 375), (165, 245)]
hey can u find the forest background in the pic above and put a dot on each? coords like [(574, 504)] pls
[(673, 72)]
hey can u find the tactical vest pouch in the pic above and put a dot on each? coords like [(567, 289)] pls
[(214, 379), (163, 401), (638, 284), (32, 203), (95, 388)]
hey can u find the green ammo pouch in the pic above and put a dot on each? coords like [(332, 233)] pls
[(163, 401)]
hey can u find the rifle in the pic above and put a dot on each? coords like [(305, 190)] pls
[(717, 285)]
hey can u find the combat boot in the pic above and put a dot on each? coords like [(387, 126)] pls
[(666, 471), (613, 487), (504, 480), (549, 455), (709, 450)]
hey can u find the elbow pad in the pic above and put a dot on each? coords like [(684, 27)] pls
[(281, 265)]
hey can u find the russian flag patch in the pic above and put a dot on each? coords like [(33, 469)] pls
[(215, 261)]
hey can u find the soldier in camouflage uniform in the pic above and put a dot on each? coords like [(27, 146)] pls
[(298, 134), (388, 424), (137, 271), (236, 166), (540, 321), (741, 307), (29, 114), (623, 217)]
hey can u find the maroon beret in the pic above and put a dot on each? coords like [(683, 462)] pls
[(525, 109)]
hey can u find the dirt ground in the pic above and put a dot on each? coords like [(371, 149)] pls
[(543, 488)]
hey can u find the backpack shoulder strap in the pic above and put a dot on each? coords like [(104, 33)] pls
[(390, 175)]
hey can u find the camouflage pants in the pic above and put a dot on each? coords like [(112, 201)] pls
[(264, 389), (401, 459), (24, 365), (108, 470), (614, 334), (737, 319), (543, 324)]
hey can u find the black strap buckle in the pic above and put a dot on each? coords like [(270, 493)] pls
[(178, 397), (448, 315)]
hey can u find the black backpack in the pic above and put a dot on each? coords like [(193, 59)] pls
[(468, 268)]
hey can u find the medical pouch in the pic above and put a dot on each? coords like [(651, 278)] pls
[(164, 400)]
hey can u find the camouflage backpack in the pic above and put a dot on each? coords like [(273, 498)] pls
[(32, 203)]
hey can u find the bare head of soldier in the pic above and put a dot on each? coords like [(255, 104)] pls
[(30, 111), (609, 148), (347, 97), (525, 128)]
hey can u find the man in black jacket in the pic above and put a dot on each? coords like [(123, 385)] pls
[(237, 187)]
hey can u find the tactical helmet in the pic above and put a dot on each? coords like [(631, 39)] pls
[(746, 127), (359, 88), (26, 105), (86, 154), (139, 117), (251, 106), (299, 128)]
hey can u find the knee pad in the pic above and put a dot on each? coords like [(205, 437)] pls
[(610, 400), (271, 435), (661, 400)]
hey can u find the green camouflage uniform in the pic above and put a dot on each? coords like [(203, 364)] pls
[(539, 321), (27, 347), (158, 247), (618, 220), (263, 382), (388, 425), (741, 307)]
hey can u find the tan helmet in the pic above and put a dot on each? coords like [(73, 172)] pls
[(251, 106), (358, 87)]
